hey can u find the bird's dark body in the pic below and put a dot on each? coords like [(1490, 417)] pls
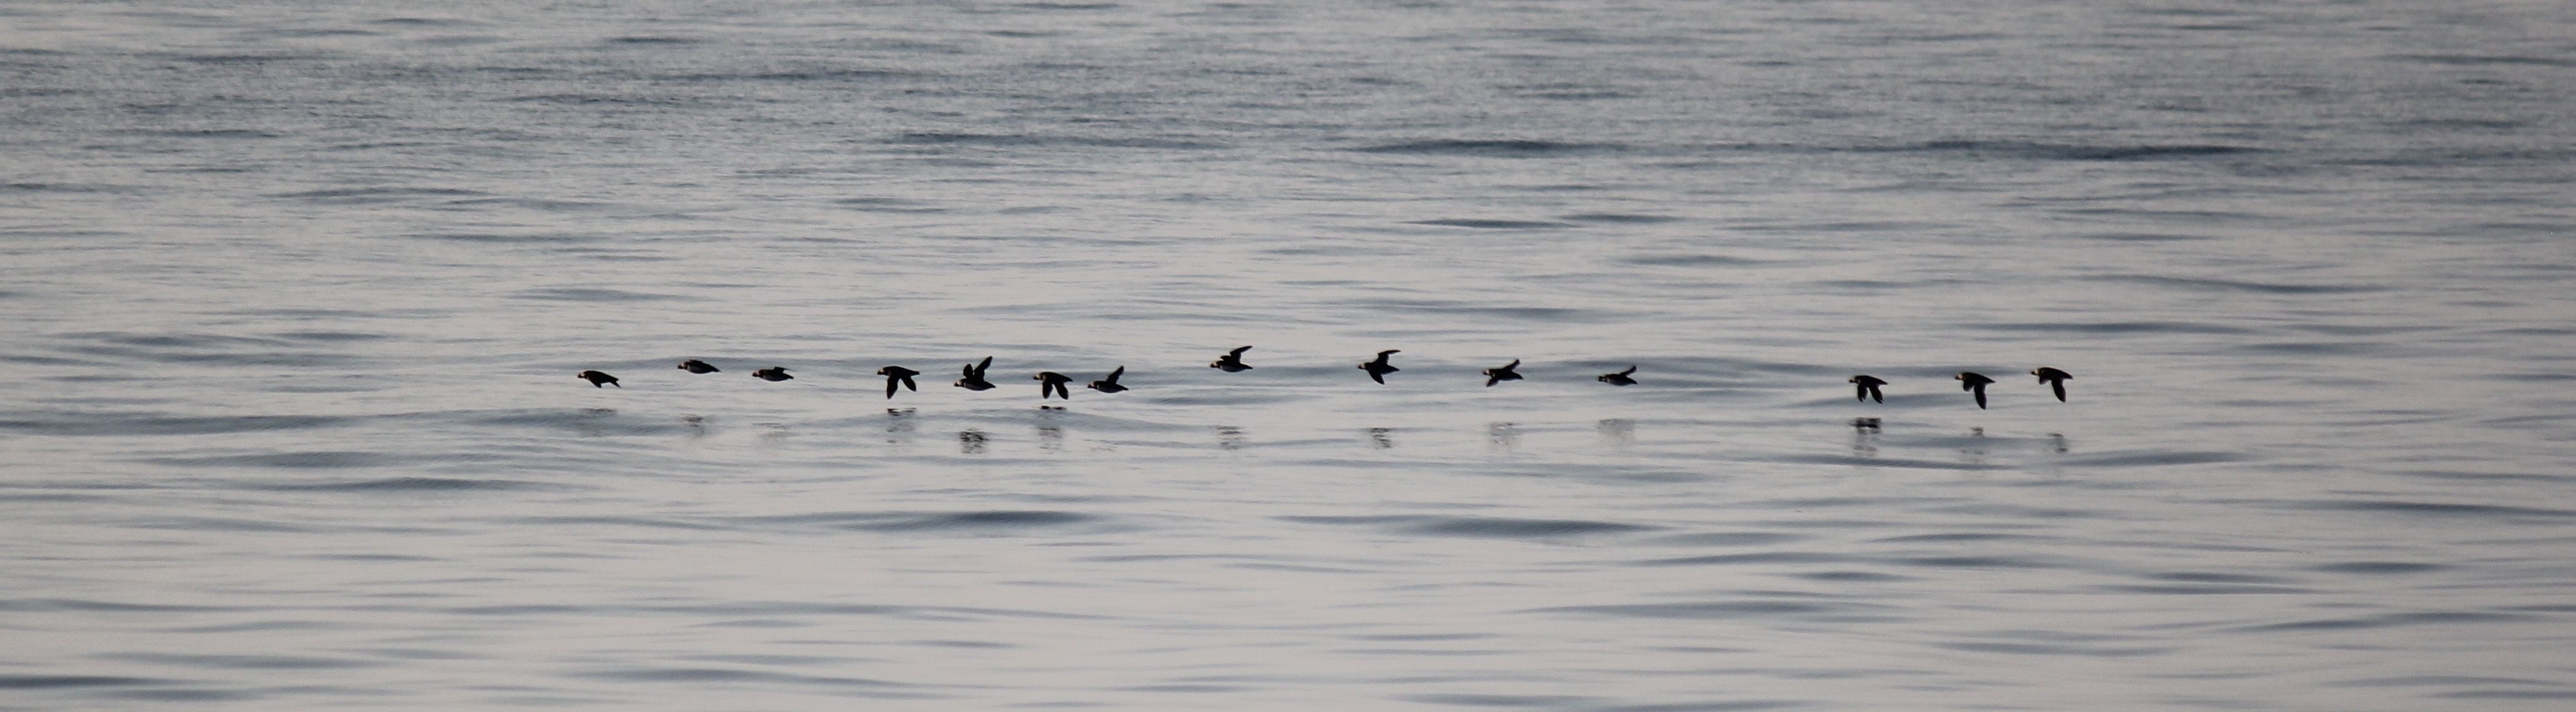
[(1866, 388), (1108, 384), (974, 380), (1974, 382), (1378, 369), (1619, 379), (1051, 383)]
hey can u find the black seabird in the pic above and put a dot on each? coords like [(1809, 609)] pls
[(1051, 383), (697, 366), (974, 380), (1868, 388), (1232, 361), (898, 375), (597, 378), (1619, 379), (773, 373), (2055, 379), (1498, 375), (1108, 384), (1378, 369), (1974, 382)]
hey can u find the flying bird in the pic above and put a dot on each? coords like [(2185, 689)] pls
[(2055, 379), (1232, 361), (1051, 383), (697, 366), (1108, 384), (1974, 382), (1378, 369), (772, 374), (598, 378), (1868, 388), (974, 380), (1619, 379), (898, 375), (1498, 375)]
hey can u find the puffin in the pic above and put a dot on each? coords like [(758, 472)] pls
[(1051, 383), (773, 374), (1378, 369), (1232, 361), (697, 366), (1498, 375), (974, 380), (1868, 388), (2055, 379), (898, 375), (1108, 384), (598, 378), (1619, 379), (1976, 383)]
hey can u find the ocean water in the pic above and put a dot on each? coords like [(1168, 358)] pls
[(294, 292)]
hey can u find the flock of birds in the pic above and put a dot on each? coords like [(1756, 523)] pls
[(1052, 384)]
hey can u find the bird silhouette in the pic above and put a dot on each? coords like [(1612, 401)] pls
[(1378, 369), (772, 374), (1108, 384), (2055, 379), (597, 378), (974, 380), (1051, 383), (697, 366), (1619, 379), (1974, 382), (1232, 361), (1868, 388), (1498, 375), (898, 375)]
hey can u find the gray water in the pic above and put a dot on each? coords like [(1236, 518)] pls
[(293, 295)]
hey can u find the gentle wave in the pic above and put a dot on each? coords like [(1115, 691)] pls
[(1495, 148), (1478, 526)]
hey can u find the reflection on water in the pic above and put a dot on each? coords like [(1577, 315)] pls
[(1380, 438), (970, 442), (588, 424), (899, 426), (1865, 437), (2057, 443), (1503, 435), (697, 425), (1050, 437), (1618, 431), (1974, 452), (1229, 437)]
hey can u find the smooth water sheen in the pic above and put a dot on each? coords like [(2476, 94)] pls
[(294, 293)]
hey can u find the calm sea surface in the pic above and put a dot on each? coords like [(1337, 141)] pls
[(293, 294)]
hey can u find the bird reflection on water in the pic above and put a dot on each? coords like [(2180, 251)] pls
[(1868, 436), (898, 425), (1974, 452), (1050, 437), (1618, 431), (1865, 437)]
